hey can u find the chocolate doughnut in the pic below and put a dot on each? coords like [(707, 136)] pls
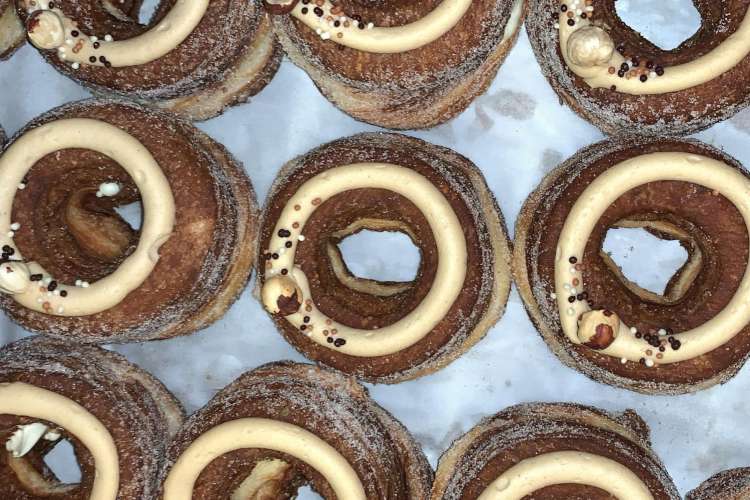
[(194, 57), (595, 320), (549, 451), (12, 33), (72, 267), (117, 418), (285, 425), (400, 64), (731, 484), (619, 81), (383, 332)]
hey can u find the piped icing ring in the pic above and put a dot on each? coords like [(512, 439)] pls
[(733, 484), (552, 451), (12, 32), (418, 64), (617, 79), (195, 56), (380, 330), (72, 266), (286, 425), (117, 418), (594, 318)]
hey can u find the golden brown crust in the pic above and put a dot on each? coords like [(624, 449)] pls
[(230, 56), (716, 228), (332, 406), (487, 284), (499, 442), (137, 410), (417, 89), (675, 113), (204, 265), (731, 484)]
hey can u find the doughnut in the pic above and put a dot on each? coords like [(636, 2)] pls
[(396, 64), (12, 32), (286, 425), (598, 322), (619, 81), (195, 57), (550, 451), (381, 331), (731, 484), (73, 268), (117, 418)]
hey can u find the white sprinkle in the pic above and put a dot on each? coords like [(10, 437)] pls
[(557, 26), (47, 280), (325, 36), (553, 295), (301, 238), (39, 300), (60, 310), (108, 38), (49, 294), (370, 26), (573, 270), (75, 65), (78, 282), (571, 311), (623, 360), (15, 226), (573, 291), (22, 186), (650, 363), (93, 39), (56, 292), (10, 234), (84, 284), (662, 331), (633, 330), (566, 286), (108, 189)]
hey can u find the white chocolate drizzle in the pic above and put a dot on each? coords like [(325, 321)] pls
[(331, 23), (281, 272), (28, 282), (264, 434), (567, 467), (27, 400), (50, 29), (594, 201), (631, 76)]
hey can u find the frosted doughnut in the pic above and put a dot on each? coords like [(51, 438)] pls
[(285, 425), (116, 417), (418, 64), (594, 201), (73, 264), (616, 78), (411, 329), (380, 330), (159, 216), (732, 484), (687, 336), (193, 57), (553, 451)]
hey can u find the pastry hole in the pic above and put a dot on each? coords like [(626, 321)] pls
[(62, 461), (307, 493), (132, 214), (645, 259), (385, 256), (147, 11), (666, 24)]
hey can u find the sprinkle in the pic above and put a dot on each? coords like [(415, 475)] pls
[(662, 331), (22, 186), (623, 360), (633, 330), (301, 238), (650, 363), (108, 38), (15, 226)]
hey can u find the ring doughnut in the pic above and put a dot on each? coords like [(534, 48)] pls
[(285, 425), (619, 81), (383, 331), (597, 321), (195, 57), (731, 484), (72, 267), (117, 417), (12, 33), (553, 451), (400, 65)]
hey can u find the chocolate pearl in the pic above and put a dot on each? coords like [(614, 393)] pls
[(284, 233), (339, 342)]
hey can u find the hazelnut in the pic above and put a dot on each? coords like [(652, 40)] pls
[(590, 46), (281, 295), (598, 329), (280, 7)]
